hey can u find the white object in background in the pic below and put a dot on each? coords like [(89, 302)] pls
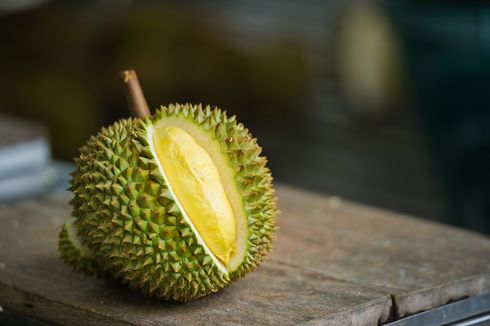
[(25, 157), (26, 185)]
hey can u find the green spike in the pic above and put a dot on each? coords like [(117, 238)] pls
[(142, 225)]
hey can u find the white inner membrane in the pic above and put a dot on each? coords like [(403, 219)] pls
[(75, 239)]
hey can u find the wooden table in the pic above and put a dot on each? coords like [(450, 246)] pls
[(334, 262)]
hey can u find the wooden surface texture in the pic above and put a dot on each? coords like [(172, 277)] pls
[(334, 263)]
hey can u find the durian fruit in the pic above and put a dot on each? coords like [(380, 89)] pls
[(75, 253), (177, 205)]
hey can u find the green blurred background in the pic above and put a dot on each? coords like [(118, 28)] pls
[(381, 102)]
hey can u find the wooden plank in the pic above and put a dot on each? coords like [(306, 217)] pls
[(35, 283), (334, 262), (422, 264)]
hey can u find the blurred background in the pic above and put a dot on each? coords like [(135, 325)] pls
[(380, 102)]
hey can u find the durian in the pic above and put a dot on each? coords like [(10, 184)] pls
[(176, 205)]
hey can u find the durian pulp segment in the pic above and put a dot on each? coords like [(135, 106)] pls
[(196, 184)]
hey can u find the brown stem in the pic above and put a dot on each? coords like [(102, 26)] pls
[(134, 94)]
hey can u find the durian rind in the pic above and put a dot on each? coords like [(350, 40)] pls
[(128, 218), (71, 254)]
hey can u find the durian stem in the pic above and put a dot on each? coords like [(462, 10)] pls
[(134, 94)]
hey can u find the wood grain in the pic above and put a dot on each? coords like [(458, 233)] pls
[(334, 263), (422, 264)]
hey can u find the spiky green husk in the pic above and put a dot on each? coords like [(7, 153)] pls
[(127, 216), (73, 256)]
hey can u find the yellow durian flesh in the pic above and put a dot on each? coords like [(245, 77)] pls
[(196, 183)]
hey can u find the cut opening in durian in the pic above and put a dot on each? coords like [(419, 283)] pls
[(72, 231), (203, 186)]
